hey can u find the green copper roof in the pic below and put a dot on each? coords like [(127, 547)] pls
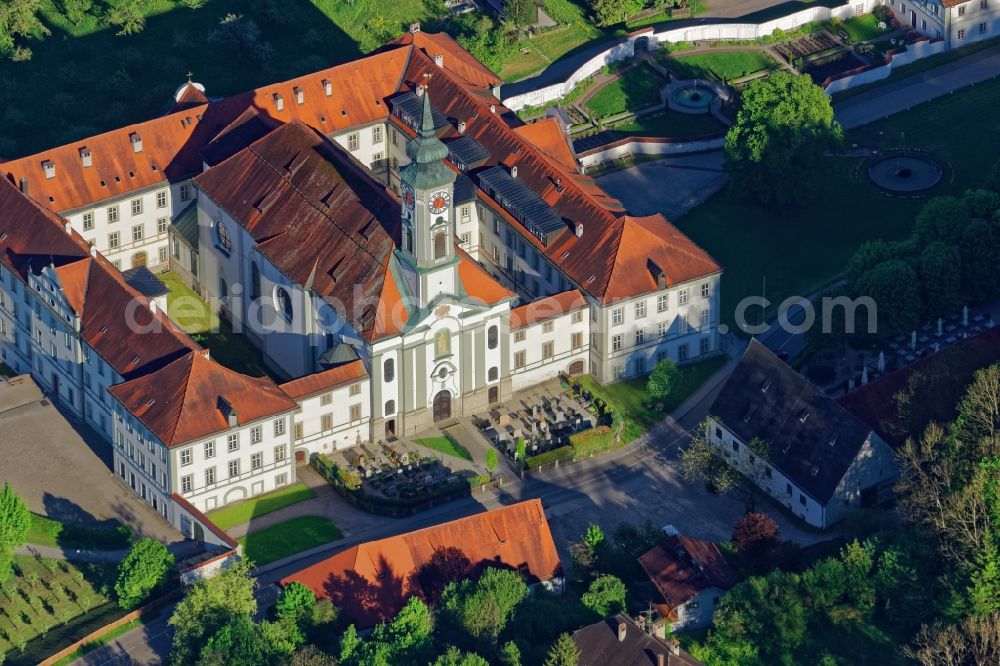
[(186, 224), (427, 153)]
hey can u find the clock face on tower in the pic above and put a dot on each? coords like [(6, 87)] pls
[(408, 196), (438, 202)]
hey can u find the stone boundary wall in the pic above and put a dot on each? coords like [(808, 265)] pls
[(689, 32), (641, 145), (897, 58)]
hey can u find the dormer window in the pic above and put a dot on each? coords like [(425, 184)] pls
[(136, 140), (327, 87), (300, 96), (49, 167), (804, 415), (86, 159), (279, 103), (765, 385)]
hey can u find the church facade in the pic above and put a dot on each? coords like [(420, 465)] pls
[(402, 250)]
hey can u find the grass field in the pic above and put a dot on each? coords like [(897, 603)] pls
[(725, 66), (672, 124), (288, 538), (187, 309), (629, 397), (244, 512), (47, 532), (636, 89), (861, 28), (46, 595), (445, 445), (799, 250)]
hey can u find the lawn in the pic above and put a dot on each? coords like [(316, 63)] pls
[(44, 598), (288, 538), (861, 28), (799, 250), (445, 445), (189, 311), (672, 124), (244, 512), (724, 66), (47, 532), (636, 89), (90, 646), (629, 397)]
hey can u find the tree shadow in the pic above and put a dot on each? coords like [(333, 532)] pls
[(126, 79)]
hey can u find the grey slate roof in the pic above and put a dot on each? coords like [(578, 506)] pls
[(599, 646), (811, 439), (522, 202), (186, 225), (143, 281)]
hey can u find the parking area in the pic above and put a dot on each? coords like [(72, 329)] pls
[(62, 472)]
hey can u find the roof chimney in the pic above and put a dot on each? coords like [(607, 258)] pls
[(461, 127), (327, 87), (152, 305), (513, 171), (578, 230), (675, 646), (439, 60), (621, 632), (661, 659), (300, 96), (279, 103), (136, 140), (493, 108), (93, 249), (49, 167), (23, 183), (420, 90), (414, 28), (85, 157)]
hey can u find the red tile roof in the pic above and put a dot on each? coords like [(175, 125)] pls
[(33, 235), (187, 96), (325, 380), (548, 136), (457, 61), (477, 283), (186, 400), (682, 567), (547, 308), (370, 582)]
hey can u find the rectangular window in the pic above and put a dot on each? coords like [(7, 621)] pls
[(466, 239), (547, 327), (185, 457), (802, 499), (281, 480), (640, 310), (961, 12), (256, 461), (355, 412), (662, 302), (616, 342), (137, 233), (377, 134), (185, 191), (577, 316), (704, 290), (464, 210), (136, 207), (682, 297), (233, 442), (234, 468), (703, 318), (161, 199), (682, 352), (161, 254), (279, 453), (547, 350), (256, 434), (88, 221), (983, 28), (209, 476), (279, 427), (112, 214), (767, 472), (210, 449), (704, 345), (352, 141), (354, 390), (186, 484), (617, 316), (983, 4), (788, 489), (113, 240), (161, 225), (577, 340), (682, 326), (326, 399), (618, 372), (326, 422), (519, 336), (297, 431), (661, 329), (518, 360), (961, 34), (640, 336)]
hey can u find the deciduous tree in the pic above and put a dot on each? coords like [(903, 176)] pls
[(484, 607), (605, 596), (663, 380), (145, 568), (15, 521)]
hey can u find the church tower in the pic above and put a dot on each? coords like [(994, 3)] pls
[(428, 243)]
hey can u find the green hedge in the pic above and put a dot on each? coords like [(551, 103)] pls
[(562, 453), (47, 532)]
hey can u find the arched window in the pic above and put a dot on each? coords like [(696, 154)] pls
[(441, 246), (493, 374), (492, 337), (222, 237), (254, 282), (388, 370), (390, 407), (283, 303), (442, 343)]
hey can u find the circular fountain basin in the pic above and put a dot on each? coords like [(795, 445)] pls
[(696, 98), (905, 173)]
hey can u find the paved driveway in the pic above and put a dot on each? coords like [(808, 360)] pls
[(671, 186), (64, 471)]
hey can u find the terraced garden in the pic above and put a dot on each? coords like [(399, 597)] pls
[(722, 66)]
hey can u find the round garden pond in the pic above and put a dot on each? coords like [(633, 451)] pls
[(905, 172), (694, 97)]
